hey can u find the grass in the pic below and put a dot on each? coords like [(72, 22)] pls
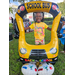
[(15, 67)]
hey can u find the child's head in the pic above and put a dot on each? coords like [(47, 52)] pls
[(39, 17), (63, 22)]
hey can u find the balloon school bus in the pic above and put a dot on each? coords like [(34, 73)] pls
[(32, 54)]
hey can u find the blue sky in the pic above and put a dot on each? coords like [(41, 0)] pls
[(55, 1), (16, 3)]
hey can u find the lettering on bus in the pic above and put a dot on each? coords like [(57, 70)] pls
[(37, 5)]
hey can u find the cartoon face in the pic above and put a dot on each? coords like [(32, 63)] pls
[(29, 69), (46, 69)]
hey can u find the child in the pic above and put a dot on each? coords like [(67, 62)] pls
[(39, 29), (62, 39)]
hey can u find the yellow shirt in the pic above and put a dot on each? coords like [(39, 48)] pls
[(39, 29)]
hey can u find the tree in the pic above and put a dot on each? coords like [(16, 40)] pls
[(62, 8), (64, 1), (10, 10), (21, 1)]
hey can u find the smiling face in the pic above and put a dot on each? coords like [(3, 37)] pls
[(38, 17)]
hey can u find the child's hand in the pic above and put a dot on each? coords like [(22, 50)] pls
[(26, 28), (49, 29)]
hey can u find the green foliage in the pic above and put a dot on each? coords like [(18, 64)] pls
[(11, 28), (62, 8), (10, 10), (51, 18), (48, 21), (10, 25)]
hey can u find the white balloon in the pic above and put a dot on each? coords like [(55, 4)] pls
[(29, 69), (45, 69)]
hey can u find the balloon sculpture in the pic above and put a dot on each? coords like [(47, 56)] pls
[(31, 55)]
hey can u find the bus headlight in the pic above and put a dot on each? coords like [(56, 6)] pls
[(23, 51), (53, 50)]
